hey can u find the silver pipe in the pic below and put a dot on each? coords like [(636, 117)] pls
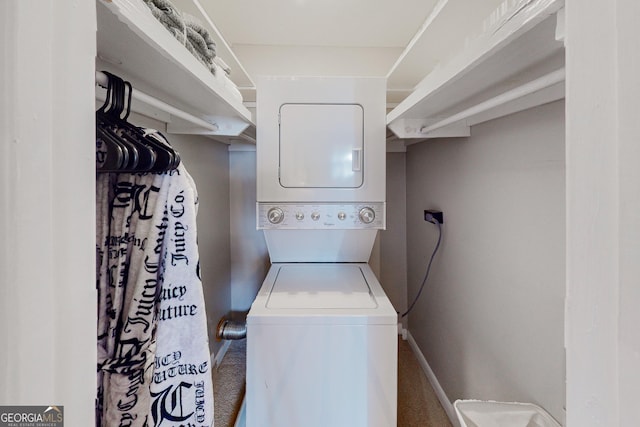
[(231, 330)]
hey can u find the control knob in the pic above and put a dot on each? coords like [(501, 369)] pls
[(367, 215), (275, 215), (315, 216)]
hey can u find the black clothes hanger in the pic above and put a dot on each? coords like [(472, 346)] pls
[(123, 147), (164, 156), (110, 154)]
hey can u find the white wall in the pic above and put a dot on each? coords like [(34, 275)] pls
[(316, 60), (490, 320), (603, 201), (47, 208)]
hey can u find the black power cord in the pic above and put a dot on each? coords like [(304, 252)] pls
[(426, 275)]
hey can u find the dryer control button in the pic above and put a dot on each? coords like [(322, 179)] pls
[(342, 216), (315, 216), (275, 215), (299, 216), (367, 215)]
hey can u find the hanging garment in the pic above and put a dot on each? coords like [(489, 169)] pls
[(153, 352), (102, 285), (182, 389), (128, 294), (148, 282)]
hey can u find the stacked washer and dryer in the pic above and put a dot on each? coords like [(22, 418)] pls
[(321, 333)]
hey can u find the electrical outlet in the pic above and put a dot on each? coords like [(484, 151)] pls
[(433, 216)]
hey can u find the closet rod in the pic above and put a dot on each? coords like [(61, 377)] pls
[(103, 80), (539, 84)]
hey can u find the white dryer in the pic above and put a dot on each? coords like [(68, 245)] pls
[(321, 334)]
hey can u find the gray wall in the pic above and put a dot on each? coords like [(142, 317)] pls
[(393, 247), (207, 161), (490, 321), (249, 256)]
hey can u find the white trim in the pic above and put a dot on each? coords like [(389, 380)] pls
[(241, 145), (241, 418), (418, 35), (222, 43), (442, 396), (402, 331), (216, 359)]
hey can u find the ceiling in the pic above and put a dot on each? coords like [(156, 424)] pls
[(401, 39), (338, 23)]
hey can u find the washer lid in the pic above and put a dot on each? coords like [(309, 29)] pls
[(321, 286)]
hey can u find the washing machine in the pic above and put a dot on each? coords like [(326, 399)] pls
[(321, 333), (322, 348)]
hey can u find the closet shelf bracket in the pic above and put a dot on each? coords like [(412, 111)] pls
[(416, 129)]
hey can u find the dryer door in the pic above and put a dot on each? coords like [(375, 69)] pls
[(321, 145)]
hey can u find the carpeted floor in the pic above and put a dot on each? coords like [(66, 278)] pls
[(229, 385), (418, 405)]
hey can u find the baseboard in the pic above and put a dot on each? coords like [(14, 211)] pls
[(241, 419), (402, 331), (431, 376), (216, 359)]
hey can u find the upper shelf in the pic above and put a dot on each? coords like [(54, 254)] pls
[(444, 32), (196, 9), (134, 45), (516, 64)]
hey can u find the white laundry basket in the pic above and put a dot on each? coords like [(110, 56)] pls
[(482, 413)]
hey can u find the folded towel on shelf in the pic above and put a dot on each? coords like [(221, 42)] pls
[(187, 30), (200, 37)]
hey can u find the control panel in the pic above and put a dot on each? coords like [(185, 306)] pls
[(306, 216)]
